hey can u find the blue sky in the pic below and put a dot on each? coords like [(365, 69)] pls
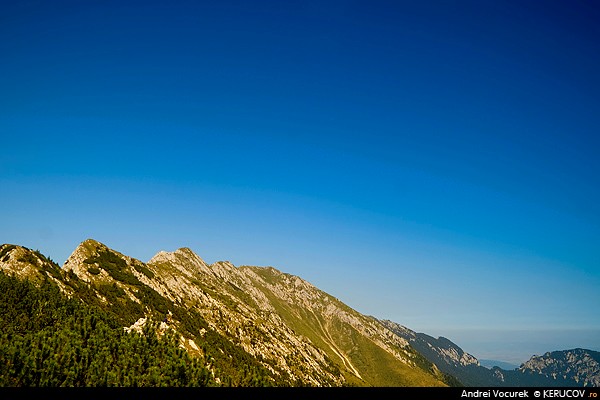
[(434, 163)]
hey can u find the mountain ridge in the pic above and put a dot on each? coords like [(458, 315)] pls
[(284, 327), (254, 308)]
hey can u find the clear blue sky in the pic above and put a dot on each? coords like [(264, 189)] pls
[(434, 163)]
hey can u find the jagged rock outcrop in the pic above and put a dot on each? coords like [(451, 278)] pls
[(29, 264), (22, 262), (447, 356), (579, 365)]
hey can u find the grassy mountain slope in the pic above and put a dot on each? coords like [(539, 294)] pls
[(365, 350)]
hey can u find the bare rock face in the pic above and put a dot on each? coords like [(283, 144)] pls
[(77, 264), (87, 258), (447, 356), (29, 264), (445, 351), (184, 259), (20, 261), (579, 365)]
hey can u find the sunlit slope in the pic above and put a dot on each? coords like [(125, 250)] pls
[(250, 325), (366, 352)]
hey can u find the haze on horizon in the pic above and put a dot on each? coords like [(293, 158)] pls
[(431, 163)]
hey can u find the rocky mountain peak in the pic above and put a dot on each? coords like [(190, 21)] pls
[(186, 251), (93, 243), (184, 259), (580, 365), (18, 260), (26, 263), (84, 250), (94, 261), (183, 254)]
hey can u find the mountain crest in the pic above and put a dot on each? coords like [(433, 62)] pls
[(183, 260), (249, 321), (86, 259), (26, 263), (580, 365)]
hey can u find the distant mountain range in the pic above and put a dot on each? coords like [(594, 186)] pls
[(246, 326), (576, 367)]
